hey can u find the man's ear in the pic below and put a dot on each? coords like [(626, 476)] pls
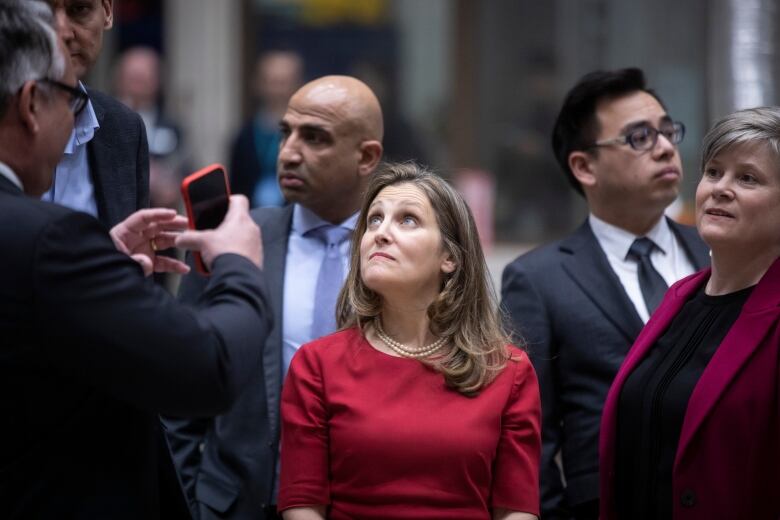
[(29, 106), (581, 166), (370, 155), (108, 9)]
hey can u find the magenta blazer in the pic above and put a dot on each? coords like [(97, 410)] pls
[(728, 460)]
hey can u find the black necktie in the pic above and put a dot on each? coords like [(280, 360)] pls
[(651, 283)]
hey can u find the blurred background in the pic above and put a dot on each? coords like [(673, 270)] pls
[(469, 87)]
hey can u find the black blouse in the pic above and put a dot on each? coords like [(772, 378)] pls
[(653, 400)]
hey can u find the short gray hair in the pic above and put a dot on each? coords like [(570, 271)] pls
[(28, 46), (751, 126)]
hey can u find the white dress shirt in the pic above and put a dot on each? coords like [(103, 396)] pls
[(8, 173), (669, 258)]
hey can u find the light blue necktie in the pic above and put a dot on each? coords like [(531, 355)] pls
[(330, 279)]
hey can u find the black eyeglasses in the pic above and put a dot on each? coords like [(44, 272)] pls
[(78, 98), (643, 138)]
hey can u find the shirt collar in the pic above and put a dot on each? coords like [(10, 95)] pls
[(616, 241), (9, 174), (84, 127), (305, 220)]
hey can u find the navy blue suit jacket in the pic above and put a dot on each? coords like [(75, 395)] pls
[(569, 306)]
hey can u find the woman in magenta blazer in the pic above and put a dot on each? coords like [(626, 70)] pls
[(690, 428)]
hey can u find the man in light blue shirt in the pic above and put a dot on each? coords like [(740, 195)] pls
[(105, 168), (72, 186), (331, 142)]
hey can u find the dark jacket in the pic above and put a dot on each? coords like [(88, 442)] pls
[(118, 160), (228, 464), (92, 352), (568, 304), (728, 459)]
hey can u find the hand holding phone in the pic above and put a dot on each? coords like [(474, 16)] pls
[(237, 234), (206, 193)]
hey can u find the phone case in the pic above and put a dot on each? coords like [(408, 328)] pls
[(200, 266)]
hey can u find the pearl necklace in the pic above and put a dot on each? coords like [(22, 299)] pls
[(403, 350)]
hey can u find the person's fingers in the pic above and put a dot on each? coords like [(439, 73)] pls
[(165, 240), (142, 219), (117, 237), (239, 205), (164, 264), (191, 240), (178, 223), (145, 262)]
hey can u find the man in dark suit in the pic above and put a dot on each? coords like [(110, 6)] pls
[(105, 168), (579, 303), (330, 143), (91, 351)]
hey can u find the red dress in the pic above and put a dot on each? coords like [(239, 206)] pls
[(380, 437)]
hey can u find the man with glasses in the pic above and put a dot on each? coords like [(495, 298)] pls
[(78, 99), (105, 168), (579, 303), (91, 353)]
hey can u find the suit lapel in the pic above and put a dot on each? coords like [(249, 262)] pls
[(9, 187), (275, 236), (758, 315), (586, 263), (99, 156)]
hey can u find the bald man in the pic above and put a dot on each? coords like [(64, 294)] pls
[(331, 142)]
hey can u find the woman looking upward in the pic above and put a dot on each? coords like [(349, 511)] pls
[(418, 408)]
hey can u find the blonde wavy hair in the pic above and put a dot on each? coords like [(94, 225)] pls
[(465, 310)]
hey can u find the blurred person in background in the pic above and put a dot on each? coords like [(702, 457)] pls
[(581, 301), (418, 407), (137, 84), (331, 142), (105, 168), (253, 155), (137, 77), (91, 352), (402, 140), (692, 423)]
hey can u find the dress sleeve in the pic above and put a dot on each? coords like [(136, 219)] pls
[(516, 470), (304, 473)]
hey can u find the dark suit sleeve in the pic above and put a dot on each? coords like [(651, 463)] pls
[(530, 322), (185, 438), (142, 167), (106, 325), (187, 435)]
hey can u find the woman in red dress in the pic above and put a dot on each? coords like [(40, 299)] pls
[(418, 408)]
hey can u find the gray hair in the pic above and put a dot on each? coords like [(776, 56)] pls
[(751, 126), (29, 47)]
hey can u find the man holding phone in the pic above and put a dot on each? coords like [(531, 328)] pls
[(331, 142), (91, 352)]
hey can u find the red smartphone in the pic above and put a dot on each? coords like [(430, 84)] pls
[(206, 196)]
